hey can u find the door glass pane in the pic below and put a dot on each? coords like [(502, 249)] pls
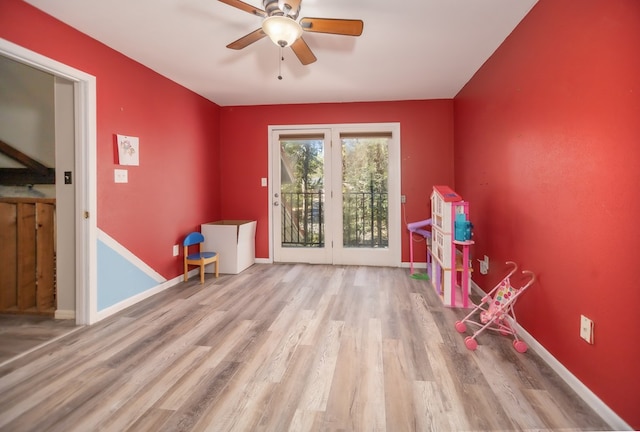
[(365, 206), (302, 191)]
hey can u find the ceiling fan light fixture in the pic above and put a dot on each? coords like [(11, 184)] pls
[(283, 31)]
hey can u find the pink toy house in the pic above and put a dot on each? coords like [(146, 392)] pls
[(450, 257)]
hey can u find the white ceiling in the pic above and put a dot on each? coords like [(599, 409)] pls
[(409, 49)]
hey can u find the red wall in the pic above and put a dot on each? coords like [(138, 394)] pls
[(547, 151), (426, 129), (178, 133)]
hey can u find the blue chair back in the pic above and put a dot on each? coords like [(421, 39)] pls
[(193, 238)]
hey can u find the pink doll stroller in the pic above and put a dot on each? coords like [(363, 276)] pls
[(496, 311)]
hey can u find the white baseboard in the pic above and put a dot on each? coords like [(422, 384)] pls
[(65, 314), (590, 398), (582, 390), (416, 265), (263, 261), (144, 295)]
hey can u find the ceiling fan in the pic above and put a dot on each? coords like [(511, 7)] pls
[(282, 28)]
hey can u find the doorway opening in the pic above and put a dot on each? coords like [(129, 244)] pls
[(81, 295)]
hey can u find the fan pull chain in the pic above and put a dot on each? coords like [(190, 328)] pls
[(281, 59)]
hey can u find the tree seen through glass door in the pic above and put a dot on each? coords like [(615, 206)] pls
[(365, 176), (302, 189)]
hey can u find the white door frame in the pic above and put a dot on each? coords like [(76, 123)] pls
[(86, 308), (395, 219)]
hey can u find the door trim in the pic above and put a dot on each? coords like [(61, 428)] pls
[(394, 205), (85, 166)]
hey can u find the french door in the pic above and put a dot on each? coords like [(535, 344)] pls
[(335, 194)]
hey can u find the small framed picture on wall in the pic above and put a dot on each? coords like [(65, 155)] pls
[(128, 150)]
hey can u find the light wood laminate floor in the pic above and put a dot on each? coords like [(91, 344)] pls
[(287, 347), (20, 334)]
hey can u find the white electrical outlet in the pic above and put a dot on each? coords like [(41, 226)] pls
[(403, 199), (484, 265), (176, 250), (263, 182), (586, 329)]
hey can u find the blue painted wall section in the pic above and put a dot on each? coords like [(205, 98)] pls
[(118, 278)]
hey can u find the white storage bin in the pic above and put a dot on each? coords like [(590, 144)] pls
[(234, 241)]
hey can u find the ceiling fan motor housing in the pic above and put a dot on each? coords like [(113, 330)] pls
[(290, 8)]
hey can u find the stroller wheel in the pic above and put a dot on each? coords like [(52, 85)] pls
[(461, 327), (470, 343), (520, 346)]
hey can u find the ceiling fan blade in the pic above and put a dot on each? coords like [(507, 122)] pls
[(346, 27), (247, 39), (245, 7), (303, 52)]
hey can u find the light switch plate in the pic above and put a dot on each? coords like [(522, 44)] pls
[(121, 176)]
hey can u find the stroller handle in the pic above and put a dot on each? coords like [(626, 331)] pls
[(531, 275), (531, 281), (513, 270)]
